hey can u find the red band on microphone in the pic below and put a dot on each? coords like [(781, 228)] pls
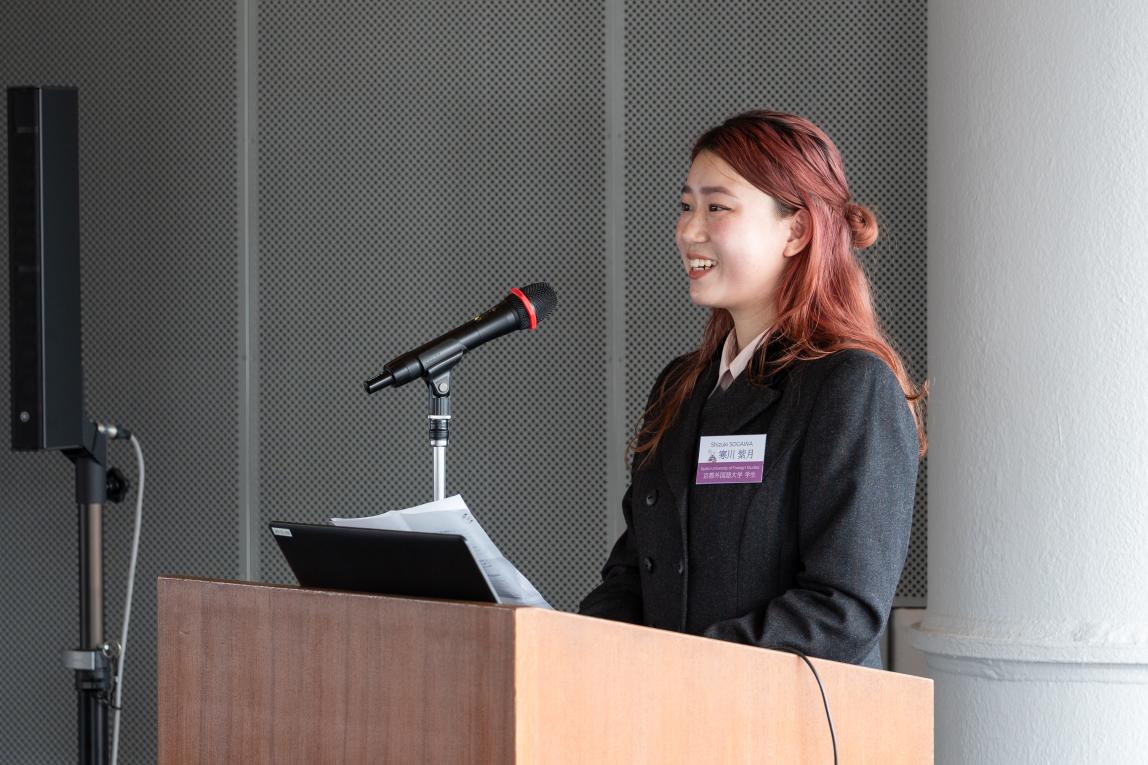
[(526, 302)]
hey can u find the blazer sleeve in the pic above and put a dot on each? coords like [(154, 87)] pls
[(857, 480), (619, 596)]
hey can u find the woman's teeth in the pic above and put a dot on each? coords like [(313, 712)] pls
[(699, 263)]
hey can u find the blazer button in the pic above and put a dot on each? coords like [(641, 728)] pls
[(648, 563), (651, 497), (681, 567)]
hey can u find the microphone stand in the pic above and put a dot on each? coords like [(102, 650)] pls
[(438, 415), (94, 661)]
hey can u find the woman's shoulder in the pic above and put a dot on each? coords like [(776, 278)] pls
[(669, 374), (849, 369), (853, 392), (675, 363), (855, 360)]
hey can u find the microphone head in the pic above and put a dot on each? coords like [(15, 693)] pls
[(542, 299)]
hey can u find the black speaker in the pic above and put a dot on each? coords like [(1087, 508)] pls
[(44, 264)]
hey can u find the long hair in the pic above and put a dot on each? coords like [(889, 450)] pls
[(824, 303)]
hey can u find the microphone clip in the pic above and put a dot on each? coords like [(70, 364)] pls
[(438, 408)]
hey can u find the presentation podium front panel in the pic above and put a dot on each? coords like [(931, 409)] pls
[(253, 673)]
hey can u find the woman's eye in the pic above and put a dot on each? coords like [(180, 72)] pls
[(712, 207)]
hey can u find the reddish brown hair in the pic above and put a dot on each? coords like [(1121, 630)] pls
[(824, 304)]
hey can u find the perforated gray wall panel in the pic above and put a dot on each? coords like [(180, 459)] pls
[(856, 69), (415, 162), (159, 260)]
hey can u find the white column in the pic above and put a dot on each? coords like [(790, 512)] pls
[(1036, 631)]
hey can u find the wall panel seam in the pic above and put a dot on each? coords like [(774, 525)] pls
[(616, 429), (248, 324)]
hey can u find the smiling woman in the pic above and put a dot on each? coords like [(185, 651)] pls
[(774, 472), (767, 205)]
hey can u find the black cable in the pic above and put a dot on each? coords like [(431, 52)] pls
[(829, 717)]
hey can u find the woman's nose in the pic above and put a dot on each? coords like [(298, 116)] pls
[(693, 228)]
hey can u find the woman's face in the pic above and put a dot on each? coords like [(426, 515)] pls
[(730, 223)]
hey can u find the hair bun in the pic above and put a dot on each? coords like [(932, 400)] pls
[(863, 224)]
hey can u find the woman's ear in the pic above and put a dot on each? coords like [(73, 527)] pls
[(800, 233)]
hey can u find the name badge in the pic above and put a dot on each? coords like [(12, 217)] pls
[(731, 459)]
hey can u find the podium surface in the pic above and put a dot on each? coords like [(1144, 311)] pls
[(256, 673)]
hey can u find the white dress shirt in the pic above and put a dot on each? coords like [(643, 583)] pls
[(731, 365)]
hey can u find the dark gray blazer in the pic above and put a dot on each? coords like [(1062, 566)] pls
[(808, 559)]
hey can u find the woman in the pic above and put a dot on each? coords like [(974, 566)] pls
[(771, 495)]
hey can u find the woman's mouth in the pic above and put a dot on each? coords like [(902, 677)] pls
[(699, 267)]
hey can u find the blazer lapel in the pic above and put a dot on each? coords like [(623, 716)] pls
[(681, 441), (743, 400), (739, 404)]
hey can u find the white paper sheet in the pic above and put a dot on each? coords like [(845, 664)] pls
[(452, 516)]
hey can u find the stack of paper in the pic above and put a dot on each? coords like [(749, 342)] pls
[(451, 516)]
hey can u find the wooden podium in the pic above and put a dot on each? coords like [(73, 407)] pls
[(253, 673)]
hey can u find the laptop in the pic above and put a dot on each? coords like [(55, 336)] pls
[(413, 563)]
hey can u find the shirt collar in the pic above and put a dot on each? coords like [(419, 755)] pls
[(736, 364)]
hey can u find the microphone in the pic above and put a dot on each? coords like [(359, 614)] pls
[(521, 309)]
